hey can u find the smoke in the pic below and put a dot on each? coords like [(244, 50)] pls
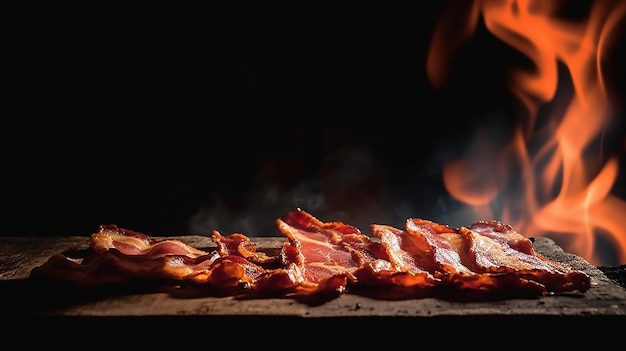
[(353, 183), (348, 185)]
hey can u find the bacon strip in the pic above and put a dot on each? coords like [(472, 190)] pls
[(114, 267), (456, 263), (316, 249), (255, 267), (491, 256), (498, 248), (334, 257), (407, 256), (241, 245), (130, 242), (120, 255)]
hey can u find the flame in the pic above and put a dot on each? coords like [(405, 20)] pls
[(565, 189)]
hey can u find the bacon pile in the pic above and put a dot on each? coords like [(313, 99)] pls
[(322, 260)]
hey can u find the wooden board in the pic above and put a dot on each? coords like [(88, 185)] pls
[(22, 301)]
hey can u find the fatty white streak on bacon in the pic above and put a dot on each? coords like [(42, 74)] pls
[(131, 242)]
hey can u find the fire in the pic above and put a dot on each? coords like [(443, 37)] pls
[(560, 165)]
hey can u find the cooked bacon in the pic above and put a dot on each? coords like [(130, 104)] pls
[(315, 248), (114, 267), (120, 255), (228, 273), (261, 281), (504, 235), (130, 242), (438, 246), (332, 255), (455, 262), (327, 259), (491, 256), (497, 248), (241, 245), (407, 256)]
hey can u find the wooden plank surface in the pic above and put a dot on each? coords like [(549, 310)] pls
[(28, 309), (20, 255)]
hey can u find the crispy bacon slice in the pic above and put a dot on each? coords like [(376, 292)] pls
[(130, 242), (228, 273), (455, 264), (329, 255), (241, 245), (257, 268), (315, 249), (114, 267), (491, 256), (118, 255), (408, 256), (497, 248)]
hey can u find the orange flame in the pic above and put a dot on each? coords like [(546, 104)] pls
[(582, 206)]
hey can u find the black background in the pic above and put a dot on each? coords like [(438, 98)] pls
[(173, 119)]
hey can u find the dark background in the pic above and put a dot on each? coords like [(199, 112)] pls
[(175, 119)]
